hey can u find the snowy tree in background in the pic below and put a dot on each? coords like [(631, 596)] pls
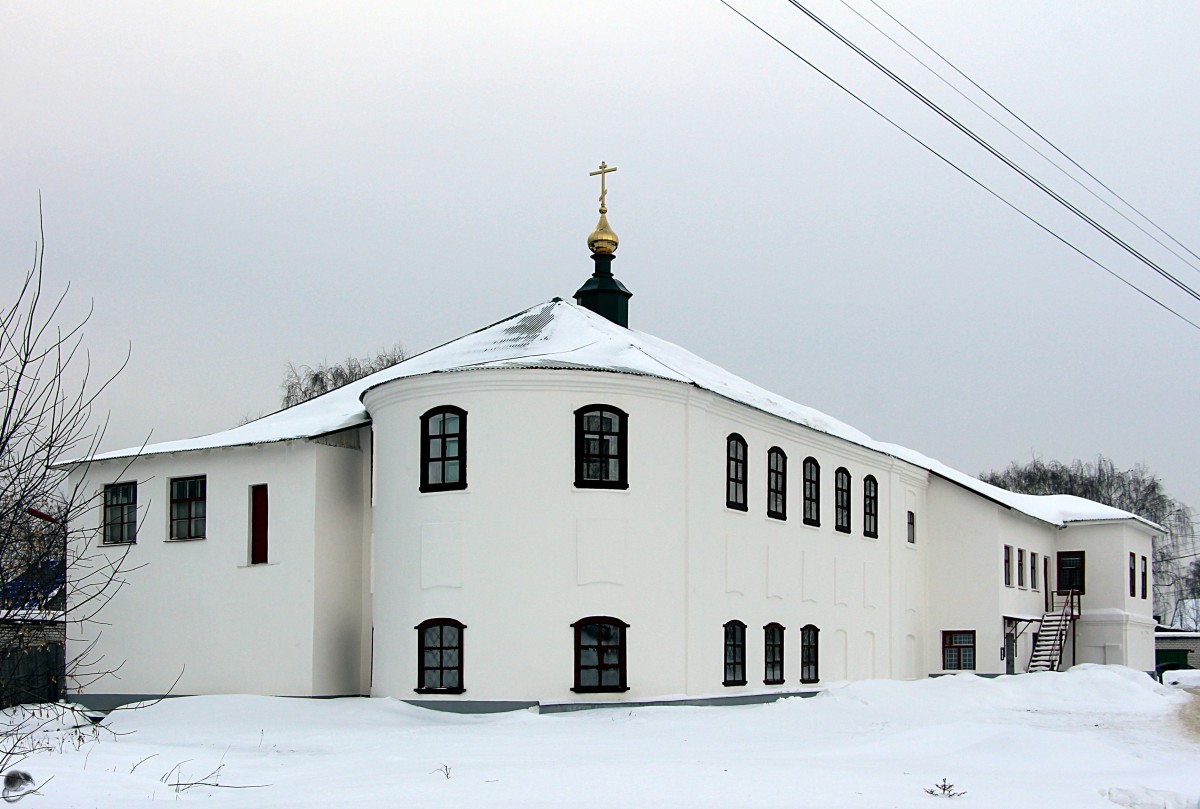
[(301, 383)]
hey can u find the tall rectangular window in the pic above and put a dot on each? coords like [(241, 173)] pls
[(773, 660), (1033, 570), (777, 484), (870, 506), (958, 650), (735, 653), (1008, 565), (189, 498), (1021, 567), (812, 492), (841, 500), (120, 513), (600, 663), (735, 472), (258, 524), (1133, 575), (1145, 575), (440, 656), (601, 447), (912, 528), (808, 654), (444, 449)]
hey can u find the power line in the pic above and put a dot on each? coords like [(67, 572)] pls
[(960, 170), (1023, 140), (971, 134)]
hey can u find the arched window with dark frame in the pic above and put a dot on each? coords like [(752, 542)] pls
[(773, 654), (440, 656), (735, 653), (776, 484), (444, 449), (600, 655), (812, 492), (841, 500), (809, 672), (870, 506), (601, 447), (735, 472)]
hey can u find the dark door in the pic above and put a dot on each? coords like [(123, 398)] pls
[(1070, 571)]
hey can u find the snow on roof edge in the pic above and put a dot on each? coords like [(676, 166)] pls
[(587, 341)]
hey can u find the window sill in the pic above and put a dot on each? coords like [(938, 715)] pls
[(258, 564), (600, 689), (867, 535), (440, 489), (809, 682), (773, 682), (842, 530), (813, 523), (185, 539), (440, 690), (118, 544), (731, 683), (780, 517), (600, 484), (736, 507)]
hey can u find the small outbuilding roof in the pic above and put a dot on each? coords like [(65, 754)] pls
[(561, 335)]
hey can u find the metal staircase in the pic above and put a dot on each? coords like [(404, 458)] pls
[(1052, 637)]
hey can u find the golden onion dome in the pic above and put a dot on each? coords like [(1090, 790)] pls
[(602, 240)]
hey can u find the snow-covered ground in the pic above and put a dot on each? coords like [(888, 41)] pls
[(1092, 737)]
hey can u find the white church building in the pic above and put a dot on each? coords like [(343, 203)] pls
[(559, 509)]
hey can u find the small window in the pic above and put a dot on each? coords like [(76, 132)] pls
[(1133, 575), (444, 449), (812, 492), (601, 447), (1145, 575), (189, 497), (808, 654), (1021, 568), (870, 507), (600, 655), (735, 653), (912, 528), (958, 650), (440, 656), (1033, 570), (841, 500), (735, 472), (777, 484), (258, 524), (1008, 565), (120, 513), (773, 658)]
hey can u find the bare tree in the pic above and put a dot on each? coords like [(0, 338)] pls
[(1136, 490), (304, 382), (45, 420)]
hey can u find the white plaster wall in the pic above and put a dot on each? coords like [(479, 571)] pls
[(966, 574), (521, 554), (863, 594), (1114, 627), (505, 557), (196, 610), (341, 506)]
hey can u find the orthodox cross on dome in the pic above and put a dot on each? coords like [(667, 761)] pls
[(604, 169)]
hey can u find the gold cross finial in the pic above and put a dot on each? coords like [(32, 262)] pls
[(604, 169)]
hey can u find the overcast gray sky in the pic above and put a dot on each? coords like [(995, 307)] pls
[(240, 185)]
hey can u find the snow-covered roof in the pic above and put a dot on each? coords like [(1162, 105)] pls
[(561, 335)]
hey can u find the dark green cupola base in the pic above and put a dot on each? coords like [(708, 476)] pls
[(603, 294)]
